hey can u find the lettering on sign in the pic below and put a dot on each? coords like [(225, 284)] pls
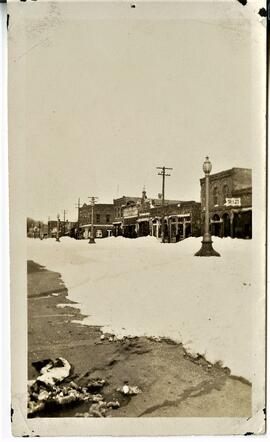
[(233, 202), (130, 212)]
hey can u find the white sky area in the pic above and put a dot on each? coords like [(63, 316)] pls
[(109, 100)]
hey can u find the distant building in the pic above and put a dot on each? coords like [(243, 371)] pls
[(52, 228), (103, 220), (36, 229), (119, 204), (230, 202), (142, 216)]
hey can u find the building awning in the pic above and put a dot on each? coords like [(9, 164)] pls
[(242, 209), (141, 220), (97, 225), (181, 215), (117, 223)]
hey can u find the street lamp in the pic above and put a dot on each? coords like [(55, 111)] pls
[(207, 248), (57, 229), (92, 237)]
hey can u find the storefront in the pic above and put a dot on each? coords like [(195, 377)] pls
[(236, 223), (130, 228), (179, 227), (181, 220), (143, 224), (155, 227), (100, 231), (118, 228), (130, 225)]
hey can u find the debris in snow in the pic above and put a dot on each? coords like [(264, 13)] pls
[(68, 395), (43, 395), (40, 396), (95, 385), (128, 390), (102, 337), (53, 371), (98, 410), (97, 398), (113, 404), (53, 387), (35, 407), (110, 339)]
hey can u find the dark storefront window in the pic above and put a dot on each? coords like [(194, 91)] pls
[(108, 218), (98, 218)]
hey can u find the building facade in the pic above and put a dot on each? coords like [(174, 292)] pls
[(230, 203), (119, 205), (103, 220), (143, 216), (181, 220)]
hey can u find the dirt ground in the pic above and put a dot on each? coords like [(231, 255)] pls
[(173, 384)]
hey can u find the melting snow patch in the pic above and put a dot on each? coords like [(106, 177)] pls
[(153, 289)]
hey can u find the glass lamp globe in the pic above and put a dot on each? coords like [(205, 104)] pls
[(207, 166)]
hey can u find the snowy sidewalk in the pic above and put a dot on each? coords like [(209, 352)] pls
[(141, 287)]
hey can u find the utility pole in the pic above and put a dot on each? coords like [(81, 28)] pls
[(65, 212), (78, 207), (78, 222), (57, 231), (93, 200), (163, 174), (39, 226)]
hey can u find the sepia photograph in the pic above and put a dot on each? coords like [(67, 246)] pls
[(137, 173)]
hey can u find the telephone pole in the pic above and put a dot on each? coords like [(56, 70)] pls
[(57, 231), (65, 212), (93, 200), (163, 174), (78, 222), (78, 207)]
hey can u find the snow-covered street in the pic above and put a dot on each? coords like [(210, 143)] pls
[(141, 287)]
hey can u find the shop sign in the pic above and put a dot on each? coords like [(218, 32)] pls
[(130, 212), (233, 202)]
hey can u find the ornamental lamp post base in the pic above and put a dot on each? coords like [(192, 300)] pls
[(92, 240), (207, 248), (57, 239)]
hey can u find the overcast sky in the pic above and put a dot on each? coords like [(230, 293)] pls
[(108, 101)]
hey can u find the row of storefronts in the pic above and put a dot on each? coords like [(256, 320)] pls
[(230, 210), (181, 219)]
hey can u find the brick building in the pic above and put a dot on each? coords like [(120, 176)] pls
[(182, 219), (103, 220), (119, 205), (142, 216), (230, 202)]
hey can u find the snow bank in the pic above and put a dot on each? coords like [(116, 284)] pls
[(142, 287)]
